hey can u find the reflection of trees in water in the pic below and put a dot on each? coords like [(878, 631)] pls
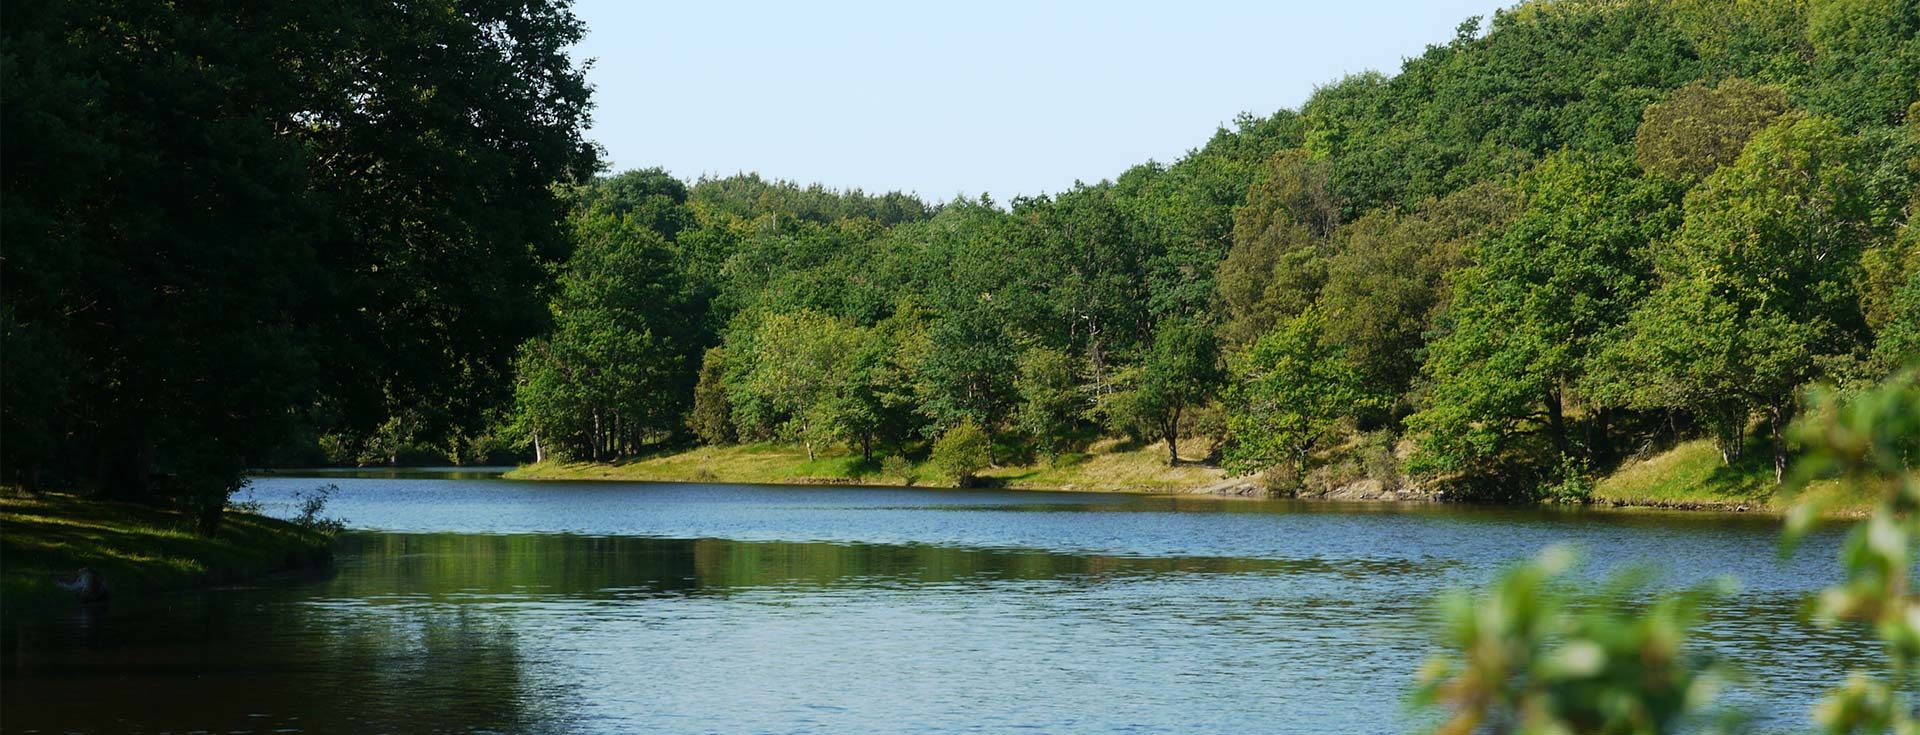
[(427, 668), (453, 567), (438, 632), (272, 659)]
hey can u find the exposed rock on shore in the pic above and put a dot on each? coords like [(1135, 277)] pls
[(1358, 491)]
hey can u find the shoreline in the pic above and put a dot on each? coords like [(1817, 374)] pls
[(139, 551), (661, 469)]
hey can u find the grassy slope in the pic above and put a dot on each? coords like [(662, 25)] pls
[(1692, 474), (136, 549), (1688, 476), (1107, 466)]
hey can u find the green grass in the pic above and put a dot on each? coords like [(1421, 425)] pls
[(136, 549), (1107, 466), (1693, 474)]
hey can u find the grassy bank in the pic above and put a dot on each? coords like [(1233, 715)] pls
[(1688, 476), (1692, 475), (138, 550), (1107, 466)]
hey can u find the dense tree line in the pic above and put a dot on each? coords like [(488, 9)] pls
[(1563, 235), (1560, 237), (226, 225)]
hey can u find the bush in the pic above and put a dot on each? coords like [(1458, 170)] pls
[(1574, 484), (712, 416), (1281, 481), (1378, 460), (899, 468), (1326, 478), (961, 453), (312, 504)]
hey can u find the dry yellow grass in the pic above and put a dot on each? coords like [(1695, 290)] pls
[(1112, 466), (1107, 466)]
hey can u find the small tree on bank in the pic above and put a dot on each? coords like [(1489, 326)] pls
[(712, 416), (1050, 399), (1290, 392), (961, 453), (1181, 372)]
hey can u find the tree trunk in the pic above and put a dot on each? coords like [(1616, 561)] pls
[(539, 451), (1599, 450), (1098, 357), (208, 520), (1557, 420), (866, 448), (1777, 419), (1172, 432), (27, 478), (593, 442)]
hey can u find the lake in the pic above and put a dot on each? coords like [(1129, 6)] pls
[(465, 603)]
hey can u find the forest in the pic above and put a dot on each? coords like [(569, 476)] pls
[(1573, 231), (1564, 235)]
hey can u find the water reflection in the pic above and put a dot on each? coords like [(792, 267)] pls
[(490, 605), (469, 472), (559, 633)]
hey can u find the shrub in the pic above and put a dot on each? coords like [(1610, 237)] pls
[(1378, 461), (1325, 479), (1870, 443), (961, 453), (1574, 484), (312, 504), (899, 468), (1281, 480)]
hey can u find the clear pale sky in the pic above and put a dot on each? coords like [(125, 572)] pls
[(989, 96)]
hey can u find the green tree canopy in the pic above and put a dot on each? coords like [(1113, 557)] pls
[(228, 221), (1757, 285), (1524, 316)]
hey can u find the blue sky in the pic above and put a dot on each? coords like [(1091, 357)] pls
[(987, 96)]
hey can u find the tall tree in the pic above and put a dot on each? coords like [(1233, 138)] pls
[(1700, 128), (1524, 316), (617, 370), (1278, 260), (1051, 402), (1757, 286), (802, 368), (1387, 283), (227, 220), (1180, 372), (1289, 392)]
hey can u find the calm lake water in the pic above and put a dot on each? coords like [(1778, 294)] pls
[(465, 603)]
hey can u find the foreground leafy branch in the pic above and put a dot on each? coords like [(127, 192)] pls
[(1871, 442), (1533, 656), (1530, 656)]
